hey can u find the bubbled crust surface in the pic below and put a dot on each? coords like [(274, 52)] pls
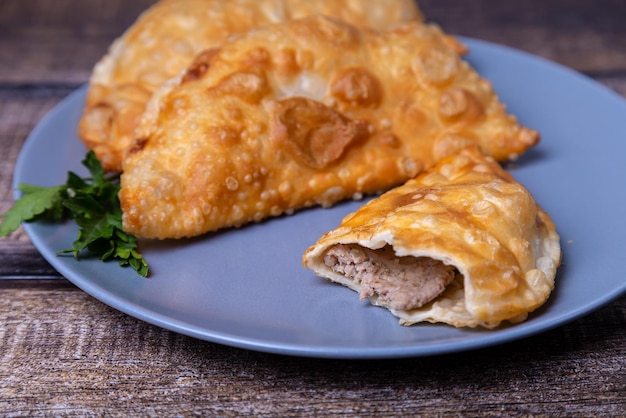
[(470, 213), (167, 37), (304, 113)]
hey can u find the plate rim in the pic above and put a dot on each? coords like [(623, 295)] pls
[(176, 325)]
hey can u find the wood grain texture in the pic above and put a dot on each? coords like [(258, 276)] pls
[(59, 41), (588, 37), (63, 353), (93, 360), (20, 259)]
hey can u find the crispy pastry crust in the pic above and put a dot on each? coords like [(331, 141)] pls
[(469, 213), (166, 38), (305, 113)]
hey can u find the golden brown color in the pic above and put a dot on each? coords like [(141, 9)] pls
[(305, 113), (167, 36), (65, 353), (469, 213)]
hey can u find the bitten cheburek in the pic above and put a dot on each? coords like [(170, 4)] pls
[(463, 244)]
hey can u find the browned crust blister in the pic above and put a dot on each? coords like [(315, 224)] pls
[(469, 213), (165, 39), (304, 113)]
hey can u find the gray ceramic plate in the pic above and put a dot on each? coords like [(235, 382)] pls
[(246, 288)]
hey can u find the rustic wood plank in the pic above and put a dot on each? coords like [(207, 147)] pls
[(19, 258), (93, 360), (44, 34), (59, 41), (587, 36)]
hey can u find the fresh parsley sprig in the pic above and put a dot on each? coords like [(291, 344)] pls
[(92, 203)]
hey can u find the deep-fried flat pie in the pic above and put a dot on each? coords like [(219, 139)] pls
[(463, 244), (166, 38), (307, 112)]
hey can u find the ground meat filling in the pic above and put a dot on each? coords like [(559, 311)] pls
[(398, 282)]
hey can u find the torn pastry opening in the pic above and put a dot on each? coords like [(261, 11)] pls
[(399, 282)]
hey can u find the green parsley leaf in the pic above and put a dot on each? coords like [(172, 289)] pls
[(35, 202), (94, 206), (95, 168)]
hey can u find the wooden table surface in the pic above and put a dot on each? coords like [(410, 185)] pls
[(62, 352)]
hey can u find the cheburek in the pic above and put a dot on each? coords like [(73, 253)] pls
[(166, 38), (463, 244), (305, 113)]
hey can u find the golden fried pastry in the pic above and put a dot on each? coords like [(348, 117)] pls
[(166, 38), (463, 243), (304, 113)]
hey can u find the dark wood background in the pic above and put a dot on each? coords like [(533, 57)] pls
[(64, 353)]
